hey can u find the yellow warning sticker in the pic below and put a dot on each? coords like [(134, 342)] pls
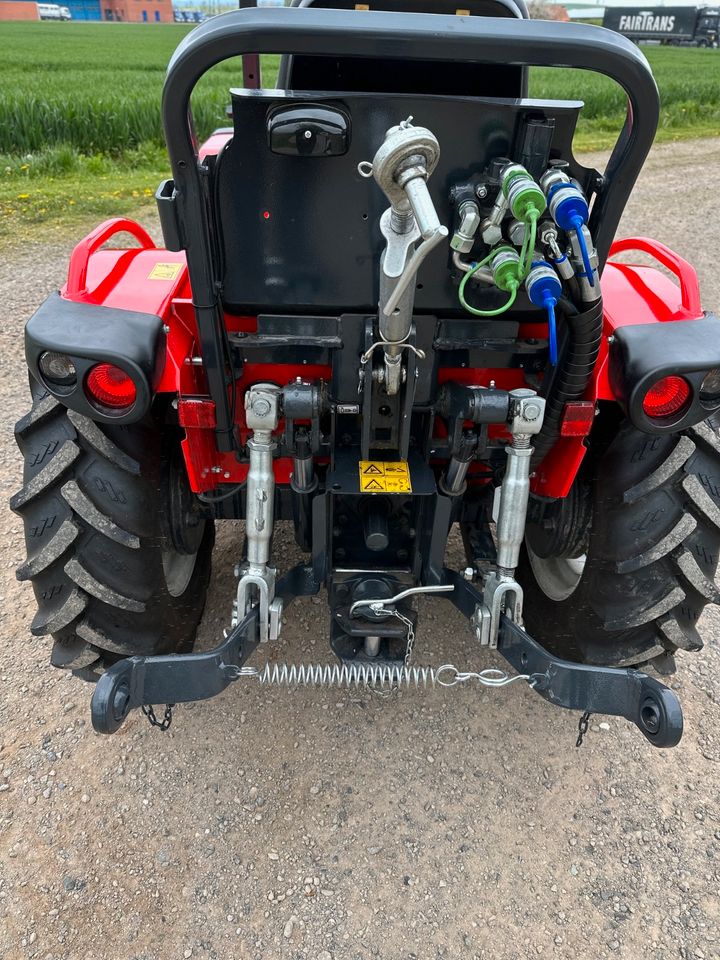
[(165, 271), (377, 476)]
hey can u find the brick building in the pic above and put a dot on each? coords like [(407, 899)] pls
[(125, 11), (18, 10)]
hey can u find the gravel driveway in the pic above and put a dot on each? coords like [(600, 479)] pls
[(333, 825)]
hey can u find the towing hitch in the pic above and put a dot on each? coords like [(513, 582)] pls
[(622, 692)]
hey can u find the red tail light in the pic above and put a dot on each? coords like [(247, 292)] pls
[(666, 397), (109, 386)]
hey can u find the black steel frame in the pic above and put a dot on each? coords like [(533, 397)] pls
[(427, 37)]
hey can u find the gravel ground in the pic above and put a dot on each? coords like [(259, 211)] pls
[(342, 826)]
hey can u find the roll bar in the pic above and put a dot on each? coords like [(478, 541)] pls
[(427, 37)]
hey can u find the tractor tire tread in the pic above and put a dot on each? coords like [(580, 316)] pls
[(701, 500), (83, 506), (696, 577), (652, 556), (52, 551), (50, 473), (73, 654), (44, 408), (94, 436), (674, 463), (679, 533), (650, 613), (56, 619), (101, 591), (92, 505)]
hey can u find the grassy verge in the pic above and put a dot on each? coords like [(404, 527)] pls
[(80, 130)]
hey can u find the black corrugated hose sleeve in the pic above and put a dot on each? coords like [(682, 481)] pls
[(583, 333)]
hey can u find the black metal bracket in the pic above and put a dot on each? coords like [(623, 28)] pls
[(615, 691), (619, 692), (141, 681)]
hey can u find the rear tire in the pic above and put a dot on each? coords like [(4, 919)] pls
[(649, 559), (117, 570)]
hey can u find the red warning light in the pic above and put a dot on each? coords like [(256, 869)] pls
[(266, 214)]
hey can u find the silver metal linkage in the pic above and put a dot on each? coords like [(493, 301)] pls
[(401, 167), (257, 577), (502, 593), (379, 604)]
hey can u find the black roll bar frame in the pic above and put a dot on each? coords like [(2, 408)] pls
[(426, 37)]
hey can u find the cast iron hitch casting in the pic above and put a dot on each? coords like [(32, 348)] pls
[(623, 692)]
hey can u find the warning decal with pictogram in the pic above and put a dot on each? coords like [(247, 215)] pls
[(376, 476)]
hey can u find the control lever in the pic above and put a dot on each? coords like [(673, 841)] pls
[(431, 231), (379, 604), (401, 167)]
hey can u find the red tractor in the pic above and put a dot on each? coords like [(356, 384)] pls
[(386, 304)]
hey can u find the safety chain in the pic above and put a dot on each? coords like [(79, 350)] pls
[(410, 637), (583, 725), (163, 724)]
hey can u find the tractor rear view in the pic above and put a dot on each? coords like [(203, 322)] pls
[(386, 304)]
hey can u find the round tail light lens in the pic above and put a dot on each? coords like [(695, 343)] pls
[(57, 369), (666, 397), (109, 386)]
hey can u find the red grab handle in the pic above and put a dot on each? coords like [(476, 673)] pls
[(76, 287), (684, 271)]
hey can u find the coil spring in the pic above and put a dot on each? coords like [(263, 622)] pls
[(374, 675)]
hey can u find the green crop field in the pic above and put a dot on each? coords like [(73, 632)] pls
[(80, 109)]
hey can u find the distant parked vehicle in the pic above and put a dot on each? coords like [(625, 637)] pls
[(189, 16), (53, 11), (673, 26)]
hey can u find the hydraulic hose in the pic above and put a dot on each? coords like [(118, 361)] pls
[(568, 381)]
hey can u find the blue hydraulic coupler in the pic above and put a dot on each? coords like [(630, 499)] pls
[(569, 209), (545, 289)]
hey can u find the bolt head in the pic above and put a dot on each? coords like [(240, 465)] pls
[(261, 407), (531, 411), (468, 573), (517, 233), (481, 191)]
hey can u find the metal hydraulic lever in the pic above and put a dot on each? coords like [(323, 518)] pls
[(401, 168)]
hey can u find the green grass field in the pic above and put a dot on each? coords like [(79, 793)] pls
[(80, 126)]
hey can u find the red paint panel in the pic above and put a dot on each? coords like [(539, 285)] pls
[(144, 278), (632, 294), (214, 143)]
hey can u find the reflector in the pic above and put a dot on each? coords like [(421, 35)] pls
[(109, 386), (666, 397), (578, 418)]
